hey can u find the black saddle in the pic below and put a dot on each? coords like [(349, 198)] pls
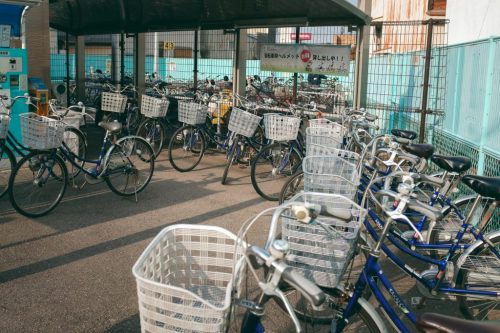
[(452, 164), (112, 126), (410, 135), (422, 150), (437, 323), (485, 186)]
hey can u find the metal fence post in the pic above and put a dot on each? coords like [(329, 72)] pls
[(195, 64), (487, 104), (122, 58), (295, 75), (80, 68), (427, 69), (140, 62), (68, 77)]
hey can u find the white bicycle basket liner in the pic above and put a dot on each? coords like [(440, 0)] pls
[(322, 249), (330, 174), (322, 136), (192, 113), (185, 279), (4, 125), (243, 122), (40, 132), (281, 128), (113, 102), (154, 107)]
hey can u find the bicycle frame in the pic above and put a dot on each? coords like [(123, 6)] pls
[(372, 273)]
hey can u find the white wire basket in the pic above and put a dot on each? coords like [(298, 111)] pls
[(192, 113), (4, 125), (322, 136), (330, 174), (325, 123), (185, 279), (322, 250), (112, 102), (40, 132), (152, 107), (243, 122), (281, 128)]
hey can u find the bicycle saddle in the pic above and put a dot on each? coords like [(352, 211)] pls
[(410, 135), (436, 323), (453, 164), (112, 126), (422, 150), (485, 186)]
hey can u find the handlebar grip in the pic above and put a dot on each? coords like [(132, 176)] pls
[(307, 288)]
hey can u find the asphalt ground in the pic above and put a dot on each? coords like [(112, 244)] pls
[(70, 271)]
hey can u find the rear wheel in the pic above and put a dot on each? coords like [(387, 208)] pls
[(481, 271), (153, 131), (38, 183), (272, 167), (7, 163), (130, 166), (186, 148)]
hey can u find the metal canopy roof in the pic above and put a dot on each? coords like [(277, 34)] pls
[(86, 17)]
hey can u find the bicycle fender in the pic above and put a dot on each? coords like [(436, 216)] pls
[(374, 314)]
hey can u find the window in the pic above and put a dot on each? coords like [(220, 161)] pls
[(436, 8)]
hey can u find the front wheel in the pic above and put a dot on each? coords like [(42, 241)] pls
[(186, 148), (272, 167), (38, 183), (230, 158), (153, 131), (130, 166), (480, 271), (75, 144), (7, 163)]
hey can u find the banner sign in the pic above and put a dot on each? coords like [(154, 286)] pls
[(299, 58)]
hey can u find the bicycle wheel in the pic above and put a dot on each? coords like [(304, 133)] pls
[(480, 271), (130, 166), (272, 167), (7, 163), (251, 146), (186, 148), (76, 143), (152, 131), (38, 183), (323, 320), (233, 149), (133, 119), (293, 185)]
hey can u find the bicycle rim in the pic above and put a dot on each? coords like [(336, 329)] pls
[(186, 148), (7, 163), (271, 169), (293, 185), (75, 142), (37, 184), (130, 166)]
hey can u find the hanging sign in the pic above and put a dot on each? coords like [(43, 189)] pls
[(314, 59)]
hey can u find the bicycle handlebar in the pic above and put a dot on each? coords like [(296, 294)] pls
[(307, 288)]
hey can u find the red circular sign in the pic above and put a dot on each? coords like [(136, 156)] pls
[(305, 56)]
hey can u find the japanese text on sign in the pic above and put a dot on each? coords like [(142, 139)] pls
[(315, 59)]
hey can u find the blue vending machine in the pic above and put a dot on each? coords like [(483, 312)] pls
[(14, 82)]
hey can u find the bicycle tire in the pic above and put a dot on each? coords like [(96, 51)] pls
[(252, 146), (80, 152), (293, 185), (133, 119), (7, 164), (153, 131), (130, 156), (463, 275), (187, 144), (230, 158), (267, 178), (28, 177)]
